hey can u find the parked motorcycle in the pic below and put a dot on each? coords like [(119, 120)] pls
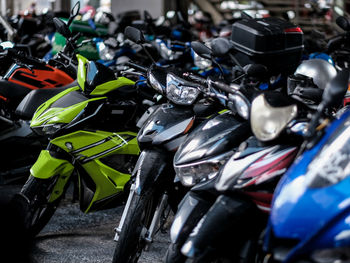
[(308, 220), (92, 143), (28, 84), (29, 73), (152, 187), (243, 189)]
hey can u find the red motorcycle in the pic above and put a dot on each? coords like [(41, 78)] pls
[(28, 73)]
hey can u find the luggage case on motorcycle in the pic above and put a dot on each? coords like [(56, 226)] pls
[(271, 41)]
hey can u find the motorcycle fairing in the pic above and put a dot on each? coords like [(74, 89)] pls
[(315, 214), (215, 136), (166, 123), (47, 167), (62, 108), (38, 78), (88, 149), (237, 172)]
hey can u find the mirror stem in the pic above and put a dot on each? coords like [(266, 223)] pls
[(236, 61), (219, 66), (148, 54)]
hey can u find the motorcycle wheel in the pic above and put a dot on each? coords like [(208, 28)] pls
[(131, 240), (32, 206), (174, 255)]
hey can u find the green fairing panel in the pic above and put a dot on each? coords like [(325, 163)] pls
[(82, 61), (60, 115), (108, 181), (89, 147), (86, 144), (47, 167), (43, 107), (111, 85)]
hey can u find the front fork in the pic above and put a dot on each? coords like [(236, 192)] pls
[(118, 229), (155, 220)]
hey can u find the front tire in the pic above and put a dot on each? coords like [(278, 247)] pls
[(131, 240), (174, 255), (32, 206)]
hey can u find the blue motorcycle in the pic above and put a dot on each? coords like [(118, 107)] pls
[(310, 216)]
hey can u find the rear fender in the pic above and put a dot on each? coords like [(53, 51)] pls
[(47, 167)]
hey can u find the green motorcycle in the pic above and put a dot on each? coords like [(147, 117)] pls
[(92, 129)]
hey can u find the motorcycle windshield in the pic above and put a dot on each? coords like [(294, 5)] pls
[(69, 99), (315, 189)]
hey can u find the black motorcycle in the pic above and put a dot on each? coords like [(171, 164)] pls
[(243, 190), (153, 186)]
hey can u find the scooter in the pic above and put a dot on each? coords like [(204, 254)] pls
[(310, 210), (152, 186), (242, 189)]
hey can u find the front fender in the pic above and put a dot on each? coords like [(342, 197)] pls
[(150, 165), (47, 167), (191, 210)]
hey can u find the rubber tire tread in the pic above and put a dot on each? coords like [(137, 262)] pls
[(130, 234), (23, 204)]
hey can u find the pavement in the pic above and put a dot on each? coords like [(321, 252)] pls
[(72, 236)]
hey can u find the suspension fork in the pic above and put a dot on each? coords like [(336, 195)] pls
[(125, 212), (156, 218)]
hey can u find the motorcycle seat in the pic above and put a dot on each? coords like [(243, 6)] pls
[(12, 92), (26, 108)]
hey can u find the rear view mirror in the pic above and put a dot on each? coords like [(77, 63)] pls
[(335, 90), (343, 23), (147, 16), (134, 35), (220, 47), (201, 49), (61, 27), (73, 13)]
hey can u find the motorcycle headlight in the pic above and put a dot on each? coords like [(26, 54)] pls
[(155, 83), (48, 129), (268, 122), (178, 92), (332, 255), (191, 174), (201, 63), (241, 105)]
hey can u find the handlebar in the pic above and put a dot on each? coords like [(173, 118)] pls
[(25, 59), (217, 84), (137, 67)]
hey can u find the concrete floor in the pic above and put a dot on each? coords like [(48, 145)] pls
[(72, 236)]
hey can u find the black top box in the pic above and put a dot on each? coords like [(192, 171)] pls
[(271, 41)]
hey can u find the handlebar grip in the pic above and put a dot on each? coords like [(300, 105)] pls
[(195, 78), (224, 87), (137, 67), (25, 58)]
